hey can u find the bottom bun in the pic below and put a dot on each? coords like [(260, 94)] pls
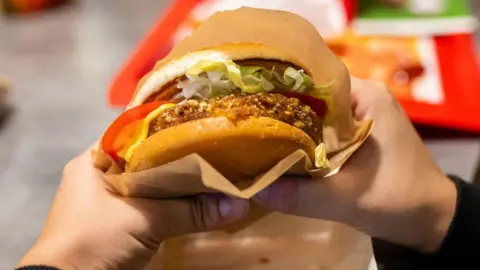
[(239, 150)]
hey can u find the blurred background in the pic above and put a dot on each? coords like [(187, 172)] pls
[(68, 68)]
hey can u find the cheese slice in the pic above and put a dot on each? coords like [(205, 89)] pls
[(142, 133)]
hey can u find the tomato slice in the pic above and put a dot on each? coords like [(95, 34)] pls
[(124, 128), (319, 106)]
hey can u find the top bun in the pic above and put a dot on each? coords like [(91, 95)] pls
[(249, 33)]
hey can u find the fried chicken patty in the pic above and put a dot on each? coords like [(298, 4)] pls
[(238, 107)]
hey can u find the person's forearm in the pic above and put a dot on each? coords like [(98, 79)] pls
[(44, 254), (419, 222), (37, 267), (458, 247), (77, 253)]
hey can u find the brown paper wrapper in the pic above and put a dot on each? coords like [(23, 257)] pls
[(193, 175), (263, 240), (274, 242)]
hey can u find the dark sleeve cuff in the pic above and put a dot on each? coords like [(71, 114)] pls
[(458, 248), (463, 237), (37, 267)]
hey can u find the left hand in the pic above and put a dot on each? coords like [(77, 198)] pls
[(89, 227), (390, 188)]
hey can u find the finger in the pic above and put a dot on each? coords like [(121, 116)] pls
[(84, 157), (359, 98), (357, 85), (372, 98), (201, 213), (290, 196), (94, 146), (355, 112), (300, 197)]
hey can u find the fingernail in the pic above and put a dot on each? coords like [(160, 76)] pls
[(231, 207)]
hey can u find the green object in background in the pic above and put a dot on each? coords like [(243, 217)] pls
[(414, 17)]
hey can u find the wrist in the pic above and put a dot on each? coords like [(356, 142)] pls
[(86, 252), (419, 220), (427, 222), (442, 204), (46, 253)]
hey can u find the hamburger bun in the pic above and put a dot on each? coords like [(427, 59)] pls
[(239, 150), (248, 146), (252, 33)]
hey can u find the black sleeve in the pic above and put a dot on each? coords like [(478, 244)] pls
[(37, 267), (459, 249)]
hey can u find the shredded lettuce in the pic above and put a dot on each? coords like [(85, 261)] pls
[(216, 78), (321, 160)]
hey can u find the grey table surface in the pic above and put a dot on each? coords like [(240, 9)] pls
[(60, 64)]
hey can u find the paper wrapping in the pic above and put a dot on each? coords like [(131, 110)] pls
[(263, 239), (193, 175), (274, 242)]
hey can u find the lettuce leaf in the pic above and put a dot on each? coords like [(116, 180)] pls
[(215, 78), (321, 160)]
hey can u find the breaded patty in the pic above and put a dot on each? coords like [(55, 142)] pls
[(237, 107)]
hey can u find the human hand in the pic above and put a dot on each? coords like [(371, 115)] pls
[(390, 188), (89, 227)]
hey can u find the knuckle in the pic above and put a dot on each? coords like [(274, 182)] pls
[(201, 216), (389, 98), (383, 100), (298, 204), (287, 197), (379, 85), (70, 167), (292, 204)]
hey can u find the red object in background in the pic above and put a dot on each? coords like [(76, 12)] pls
[(29, 6), (156, 45), (457, 60), (153, 47), (456, 57)]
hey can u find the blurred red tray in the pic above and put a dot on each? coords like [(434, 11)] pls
[(457, 59)]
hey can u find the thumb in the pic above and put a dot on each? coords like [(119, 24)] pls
[(202, 213), (302, 197)]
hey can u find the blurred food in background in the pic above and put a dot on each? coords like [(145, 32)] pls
[(394, 3), (28, 6), (414, 17), (407, 65), (5, 86), (6, 108), (328, 16), (418, 6), (423, 50)]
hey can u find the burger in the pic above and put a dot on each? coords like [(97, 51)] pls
[(245, 90)]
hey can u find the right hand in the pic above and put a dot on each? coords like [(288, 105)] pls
[(90, 227), (390, 188)]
